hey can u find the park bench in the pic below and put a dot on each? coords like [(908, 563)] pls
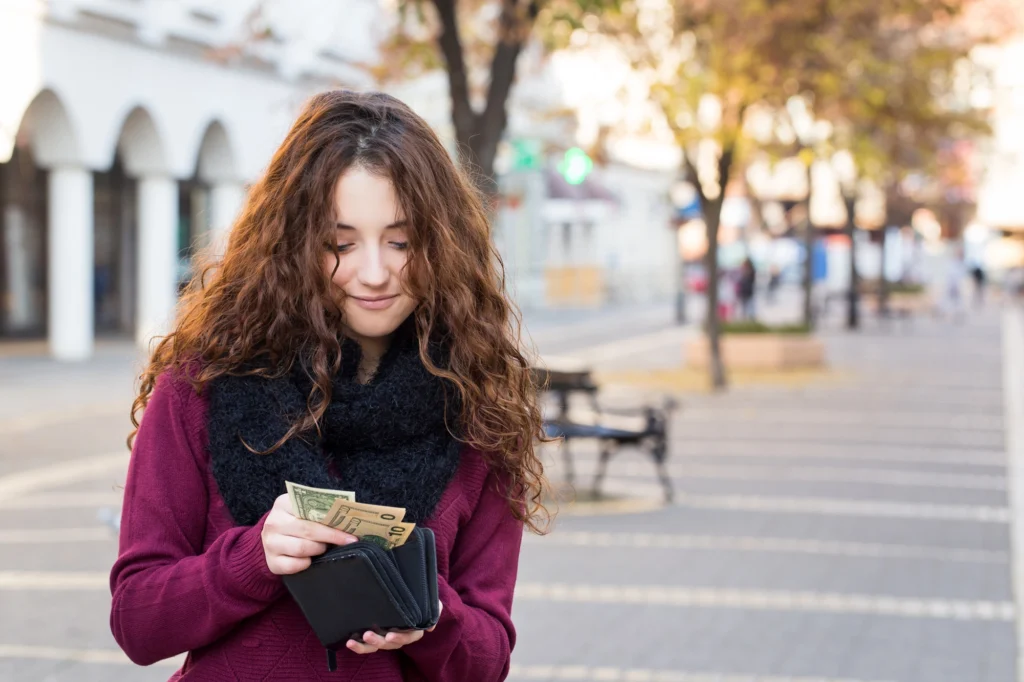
[(644, 428)]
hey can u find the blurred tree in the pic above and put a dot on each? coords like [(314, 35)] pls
[(478, 43), (710, 64), (894, 79), (882, 75)]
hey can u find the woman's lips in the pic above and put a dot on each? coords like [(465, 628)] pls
[(374, 303)]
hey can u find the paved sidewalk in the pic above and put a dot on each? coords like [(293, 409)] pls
[(856, 531)]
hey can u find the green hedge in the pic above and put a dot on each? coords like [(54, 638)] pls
[(754, 327), (906, 288), (870, 287)]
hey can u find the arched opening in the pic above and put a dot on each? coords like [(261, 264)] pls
[(116, 224), (45, 137), (202, 198), (115, 221), (23, 247)]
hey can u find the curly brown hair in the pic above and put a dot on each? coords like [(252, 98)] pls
[(268, 301)]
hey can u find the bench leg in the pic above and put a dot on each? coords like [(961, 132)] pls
[(602, 467), (659, 453), (666, 482)]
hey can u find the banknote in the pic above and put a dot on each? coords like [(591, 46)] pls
[(342, 508), (313, 504), (383, 533)]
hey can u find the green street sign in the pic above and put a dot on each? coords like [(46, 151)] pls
[(527, 154), (575, 166)]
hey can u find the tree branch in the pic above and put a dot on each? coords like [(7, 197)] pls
[(513, 31), (694, 179), (463, 116)]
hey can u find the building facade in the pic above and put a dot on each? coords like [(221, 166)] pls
[(128, 132)]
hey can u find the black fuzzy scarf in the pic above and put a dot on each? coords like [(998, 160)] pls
[(385, 440)]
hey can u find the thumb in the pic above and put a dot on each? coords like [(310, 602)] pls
[(440, 610)]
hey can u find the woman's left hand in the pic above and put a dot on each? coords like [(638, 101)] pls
[(395, 639)]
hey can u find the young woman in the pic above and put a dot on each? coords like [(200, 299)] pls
[(355, 336)]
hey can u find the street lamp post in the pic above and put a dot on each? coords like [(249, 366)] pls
[(680, 282), (682, 195), (846, 173), (810, 133)]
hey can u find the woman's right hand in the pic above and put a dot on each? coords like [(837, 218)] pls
[(289, 542)]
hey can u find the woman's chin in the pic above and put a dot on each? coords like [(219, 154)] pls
[(373, 325)]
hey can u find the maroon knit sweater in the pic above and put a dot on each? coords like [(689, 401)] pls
[(187, 579)]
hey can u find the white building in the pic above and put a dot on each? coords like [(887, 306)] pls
[(609, 240), (999, 196), (128, 131)]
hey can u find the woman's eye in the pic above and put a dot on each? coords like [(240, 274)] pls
[(401, 246), (340, 248)]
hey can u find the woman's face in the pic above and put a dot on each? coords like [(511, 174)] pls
[(372, 239)]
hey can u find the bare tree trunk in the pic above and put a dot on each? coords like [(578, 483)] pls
[(809, 258), (853, 296), (712, 211), (478, 133), (714, 331), (883, 282)]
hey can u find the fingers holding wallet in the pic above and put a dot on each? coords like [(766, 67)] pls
[(395, 639)]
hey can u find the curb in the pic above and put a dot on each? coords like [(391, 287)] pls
[(1013, 407)]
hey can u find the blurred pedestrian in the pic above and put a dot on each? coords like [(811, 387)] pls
[(978, 275), (353, 337), (955, 274), (726, 295), (746, 288), (774, 280)]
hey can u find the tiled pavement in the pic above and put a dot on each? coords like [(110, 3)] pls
[(856, 531)]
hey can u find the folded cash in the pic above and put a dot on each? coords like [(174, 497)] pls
[(313, 504), (375, 523), (373, 528)]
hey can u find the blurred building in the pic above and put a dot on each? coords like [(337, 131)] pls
[(606, 240), (999, 201), (128, 131)]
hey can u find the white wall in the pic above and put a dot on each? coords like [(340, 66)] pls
[(999, 197), (637, 243)]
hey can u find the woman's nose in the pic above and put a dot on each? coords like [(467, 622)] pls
[(372, 270)]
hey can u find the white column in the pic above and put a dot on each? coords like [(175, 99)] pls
[(70, 263), (158, 257), (225, 201)]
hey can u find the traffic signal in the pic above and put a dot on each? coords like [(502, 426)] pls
[(575, 166)]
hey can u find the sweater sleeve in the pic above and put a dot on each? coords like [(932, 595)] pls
[(473, 639), (170, 596)]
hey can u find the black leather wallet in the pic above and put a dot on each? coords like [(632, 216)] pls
[(350, 589)]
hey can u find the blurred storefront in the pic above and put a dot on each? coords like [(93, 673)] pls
[(604, 240)]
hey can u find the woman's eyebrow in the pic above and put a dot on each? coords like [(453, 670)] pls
[(397, 223)]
